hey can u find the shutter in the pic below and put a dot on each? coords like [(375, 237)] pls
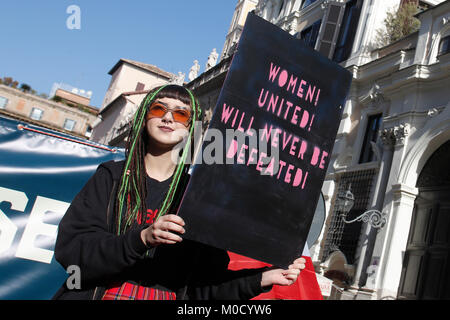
[(347, 32), (330, 30)]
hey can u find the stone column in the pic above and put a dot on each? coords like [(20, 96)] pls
[(388, 141), (371, 253), (384, 269), (387, 282)]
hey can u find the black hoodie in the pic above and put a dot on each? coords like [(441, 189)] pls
[(190, 269)]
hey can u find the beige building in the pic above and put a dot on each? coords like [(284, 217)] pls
[(30, 108), (72, 98), (130, 82), (128, 75), (237, 24), (116, 117)]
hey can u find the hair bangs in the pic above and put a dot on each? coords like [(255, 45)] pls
[(175, 92)]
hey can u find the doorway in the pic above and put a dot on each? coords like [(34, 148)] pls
[(426, 263)]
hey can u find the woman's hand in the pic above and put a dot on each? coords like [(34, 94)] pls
[(283, 277), (163, 231)]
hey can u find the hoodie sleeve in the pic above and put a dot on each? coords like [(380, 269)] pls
[(211, 279), (83, 238)]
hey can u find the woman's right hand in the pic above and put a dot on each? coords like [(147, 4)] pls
[(163, 230)]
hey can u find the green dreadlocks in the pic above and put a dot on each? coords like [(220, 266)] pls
[(132, 186)]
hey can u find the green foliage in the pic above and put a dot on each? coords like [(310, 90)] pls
[(7, 81), (56, 99), (10, 82), (398, 24), (25, 87)]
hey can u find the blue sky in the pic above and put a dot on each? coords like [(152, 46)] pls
[(37, 48)]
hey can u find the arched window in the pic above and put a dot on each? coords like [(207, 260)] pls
[(444, 45)]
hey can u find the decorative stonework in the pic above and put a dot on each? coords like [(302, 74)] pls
[(433, 112), (395, 135), (374, 96), (325, 4), (260, 7)]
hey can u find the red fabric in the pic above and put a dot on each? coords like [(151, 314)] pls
[(305, 288), (129, 291)]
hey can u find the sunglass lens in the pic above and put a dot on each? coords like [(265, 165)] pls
[(157, 110), (181, 116)]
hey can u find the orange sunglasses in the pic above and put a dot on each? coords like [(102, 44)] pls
[(159, 110)]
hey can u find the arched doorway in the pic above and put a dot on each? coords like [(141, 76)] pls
[(426, 263)]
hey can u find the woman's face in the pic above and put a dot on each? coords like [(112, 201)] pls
[(164, 131)]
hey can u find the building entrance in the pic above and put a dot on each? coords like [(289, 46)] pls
[(426, 264)]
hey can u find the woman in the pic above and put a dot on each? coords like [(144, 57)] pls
[(120, 229)]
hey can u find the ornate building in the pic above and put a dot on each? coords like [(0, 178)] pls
[(391, 150)]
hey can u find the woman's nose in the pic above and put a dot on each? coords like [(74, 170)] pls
[(168, 116)]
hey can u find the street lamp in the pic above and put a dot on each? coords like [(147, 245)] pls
[(344, 203)]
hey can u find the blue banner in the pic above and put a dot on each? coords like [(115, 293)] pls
[(41, 171)]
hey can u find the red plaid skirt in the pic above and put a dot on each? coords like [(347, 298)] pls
[(130, 291)]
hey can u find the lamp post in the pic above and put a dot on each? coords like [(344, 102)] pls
[(344, 203)]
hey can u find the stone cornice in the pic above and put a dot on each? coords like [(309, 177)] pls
[(388, 80)]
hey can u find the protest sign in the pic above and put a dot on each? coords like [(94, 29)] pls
[(277, 114)]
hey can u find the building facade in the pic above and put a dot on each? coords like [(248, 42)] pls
[(116, 116), (76, 120), (129, 75), (237, 24), (130, 82), (391, 148)]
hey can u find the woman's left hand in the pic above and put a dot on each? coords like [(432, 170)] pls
[(283, 277)]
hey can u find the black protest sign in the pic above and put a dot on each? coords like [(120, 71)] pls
[(277, 114)]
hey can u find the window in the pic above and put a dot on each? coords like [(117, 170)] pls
[(423, 6), (69, 124), (444, 45), (348, 30), (236, 19), (281, 8), (36, 114), (3, 102), (88, 133), (310, 34), (342, 236), (371, 135), (307, 3), (140, 86), (332, 25)]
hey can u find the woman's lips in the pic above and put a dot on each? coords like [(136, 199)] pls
[(165, 129)]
